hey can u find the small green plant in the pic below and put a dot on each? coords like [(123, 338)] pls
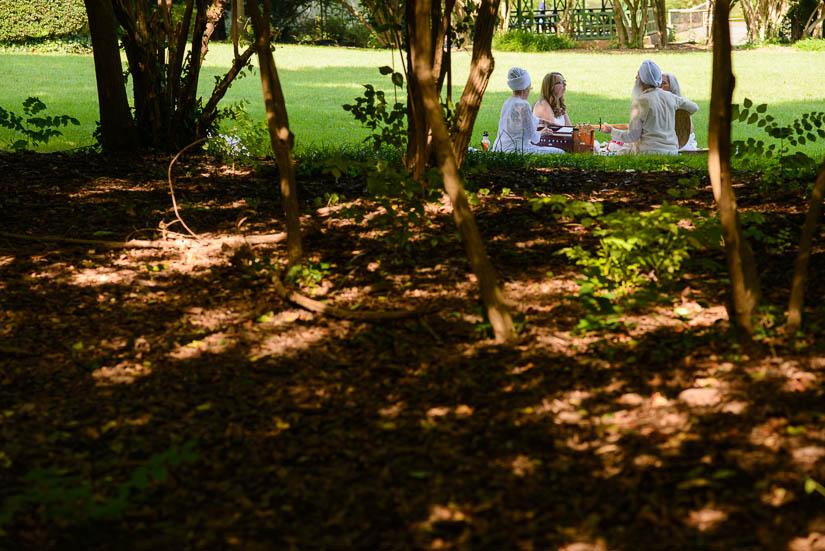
[(634, 251), (401, 199), (308, 275), (70, 498), (36, 129), (388, 122), (807, 128), (756, 227), (244, 138)]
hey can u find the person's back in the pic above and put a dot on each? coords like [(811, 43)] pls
[(652, 115), (659, 134), (515, 127)]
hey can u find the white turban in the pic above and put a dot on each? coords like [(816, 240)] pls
[(518, 79), (650, 74)]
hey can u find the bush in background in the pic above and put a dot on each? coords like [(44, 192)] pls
[(811, 45), (522, 41), (40, 19)]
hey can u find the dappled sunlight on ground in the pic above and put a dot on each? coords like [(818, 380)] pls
[(420, 433)]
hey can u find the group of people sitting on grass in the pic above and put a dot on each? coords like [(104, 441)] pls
[(651, 129)]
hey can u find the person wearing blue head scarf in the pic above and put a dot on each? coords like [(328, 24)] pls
[(652, 124)]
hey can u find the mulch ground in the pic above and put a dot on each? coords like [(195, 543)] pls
[(168, 398)]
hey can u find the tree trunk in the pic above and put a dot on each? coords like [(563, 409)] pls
[(420, 52), (481, 68), (620, 20), (660, 12), (279, 134), (800, 275), (740, 261), (418, 131), (815, 20), (117, 132), (164, 62)]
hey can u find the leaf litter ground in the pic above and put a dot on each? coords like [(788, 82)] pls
[(311, 432)]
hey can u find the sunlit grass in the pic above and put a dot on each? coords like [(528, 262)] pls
[(317, 81)]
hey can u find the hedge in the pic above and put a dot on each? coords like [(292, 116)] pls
[(25, 19)]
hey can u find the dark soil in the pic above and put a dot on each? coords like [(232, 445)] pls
[(304, 431)]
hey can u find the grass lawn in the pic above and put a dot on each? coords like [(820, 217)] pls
[(318, 80)]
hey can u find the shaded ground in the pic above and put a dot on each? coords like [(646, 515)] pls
[(171, 400)]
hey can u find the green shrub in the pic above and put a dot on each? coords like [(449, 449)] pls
[(810, 45), (522, 41), (69, 44), (40, 19)]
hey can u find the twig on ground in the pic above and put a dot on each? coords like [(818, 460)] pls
[(321, 308), (172, 189), (149, 244)]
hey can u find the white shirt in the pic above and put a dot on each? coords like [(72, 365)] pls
[(552, 119), (653, 122), (517, 129)]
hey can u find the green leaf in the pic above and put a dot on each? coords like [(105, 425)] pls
[(762, 108), (747, 103), (385, 70), (398, 79)]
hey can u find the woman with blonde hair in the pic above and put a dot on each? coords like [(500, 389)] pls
[(551, 106), (518, 126)]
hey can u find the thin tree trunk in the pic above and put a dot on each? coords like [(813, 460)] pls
[(279, 134), (117, 131), (620, 20), (815, 20), (481, 68), (660, 12), (417, 129), (741, 264), (492, 297), (800, 275)]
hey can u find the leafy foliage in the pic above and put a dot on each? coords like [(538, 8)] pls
[(40, 19), (523, 41), (36, 129), (807, 128), (67, 497), (401, 218), (388, 122), (246, 140), (810, 45), (635, 249)]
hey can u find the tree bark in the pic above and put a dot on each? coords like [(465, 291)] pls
[(481, 68), (660, 12), (118, 135), (420, 48), (800, 275), (418, 152), (280, 136), (620, 20), (741, 264)]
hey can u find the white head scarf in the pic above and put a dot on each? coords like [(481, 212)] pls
[(674, 84), (650, 74), (518, 79)]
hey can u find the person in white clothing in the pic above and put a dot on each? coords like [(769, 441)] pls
[(517, 125), (551, 106), (670, 84), (652, 122)]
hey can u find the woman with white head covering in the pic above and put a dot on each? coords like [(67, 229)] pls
[(652, 115), (670, 84), (517, 126)]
